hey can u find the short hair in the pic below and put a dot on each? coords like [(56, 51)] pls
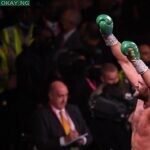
[(108, 67)]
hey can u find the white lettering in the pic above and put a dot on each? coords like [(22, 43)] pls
[(16, 2), (9, 3), (2, 3), (24, 3)]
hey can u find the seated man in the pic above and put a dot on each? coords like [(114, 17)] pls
[(140, 117), (58, 125)]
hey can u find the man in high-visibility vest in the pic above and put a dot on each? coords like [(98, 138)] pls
[(18, 36)]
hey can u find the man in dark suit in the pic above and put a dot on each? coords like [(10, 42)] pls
[(69, 37), (55, 131)]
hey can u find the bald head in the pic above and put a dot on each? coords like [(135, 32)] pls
[(58, 94), (56, 85)]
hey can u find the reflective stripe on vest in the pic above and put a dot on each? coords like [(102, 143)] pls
[(12, 39), (4, 69)]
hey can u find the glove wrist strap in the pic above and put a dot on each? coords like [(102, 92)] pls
[(110, 40), (140, 66)]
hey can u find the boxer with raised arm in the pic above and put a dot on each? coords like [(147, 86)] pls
[(140, 118), (105, 24), (130, 50)]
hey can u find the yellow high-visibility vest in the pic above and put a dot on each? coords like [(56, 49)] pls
[(12, 39), (4, 70)]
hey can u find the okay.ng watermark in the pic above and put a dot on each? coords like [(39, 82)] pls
[(14, 2)]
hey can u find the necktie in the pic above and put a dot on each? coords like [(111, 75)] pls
[(65, 123)]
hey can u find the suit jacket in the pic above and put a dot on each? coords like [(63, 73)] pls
[(73, 42), (48, 130)]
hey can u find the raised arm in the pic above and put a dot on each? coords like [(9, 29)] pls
[(105, 25), (130, 50)]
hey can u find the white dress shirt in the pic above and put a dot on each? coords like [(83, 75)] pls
[(72, 125)]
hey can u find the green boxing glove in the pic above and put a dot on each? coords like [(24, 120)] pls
[(105, 24), (130, 50)]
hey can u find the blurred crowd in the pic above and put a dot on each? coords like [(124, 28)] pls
[(59, 40)]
